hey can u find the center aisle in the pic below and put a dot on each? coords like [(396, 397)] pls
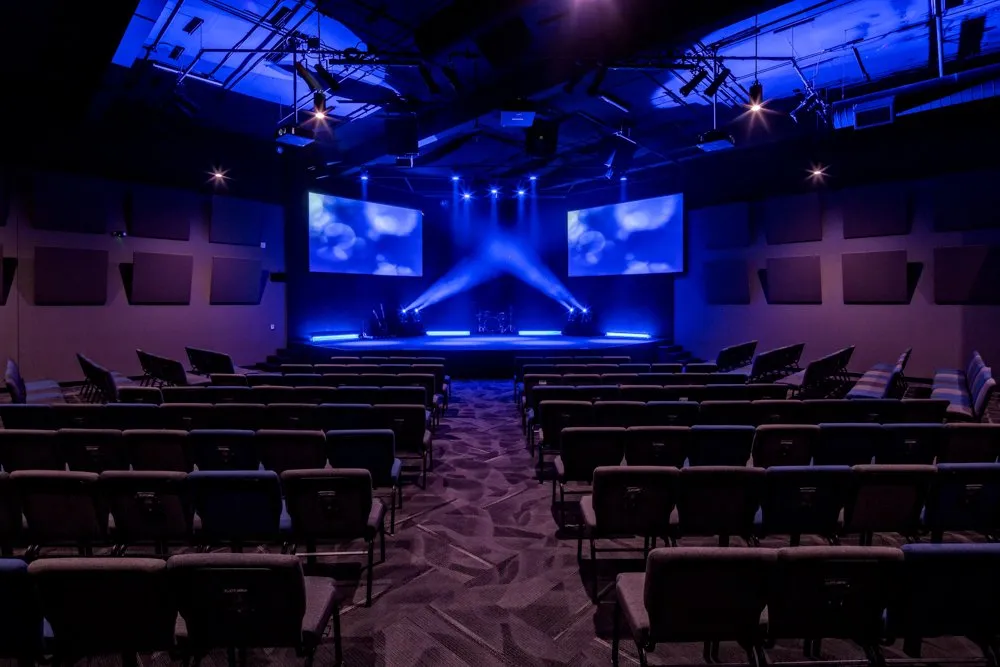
[(475, 574)]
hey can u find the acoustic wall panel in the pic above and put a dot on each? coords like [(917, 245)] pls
[(723, 226), (794, 280), (241, 221), (727, 281), (967, 275), (65, 203), (161, 279), (792, 219), (882, 210), (70, 277), (165, 213), (237, 281), (966, 201), (875, 277)]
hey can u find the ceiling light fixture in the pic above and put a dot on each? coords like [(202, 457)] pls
[(698, 77), (718, 81)]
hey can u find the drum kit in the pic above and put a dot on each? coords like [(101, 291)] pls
[(498, 323)]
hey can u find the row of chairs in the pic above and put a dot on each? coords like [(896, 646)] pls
[(866, 595), (827, 501), (883, 380), (822, 378), (777, 363), (265, 395), (189, 605), (124, 509), (968, 392), (98, 450), (158, 371), (736, 356), (100, 385), (207, 362)]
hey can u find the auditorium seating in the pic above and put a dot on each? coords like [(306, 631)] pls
[(866, 595), (882, 380), (823, 377), (100, 384), (775, 364), (968, 392), (14, 383), (207, 362), (735, 356), (163, 372)]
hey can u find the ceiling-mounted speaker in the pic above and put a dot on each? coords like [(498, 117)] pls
[(401, 136), (542, 138)]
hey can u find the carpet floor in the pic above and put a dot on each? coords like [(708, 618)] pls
[(478, 573)]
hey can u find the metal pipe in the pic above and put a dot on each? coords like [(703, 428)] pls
[(242, 40), (163, 28), (230, 82), (938, 34)]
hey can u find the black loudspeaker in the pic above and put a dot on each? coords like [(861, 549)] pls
[(401, 136), (542, 138)]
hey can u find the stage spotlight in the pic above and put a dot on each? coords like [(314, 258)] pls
[(494, 191), (520, 193), (585, 311), (532, 178), (717, 82), (364, 176), (572, 310), (756, 96), (456, 178), (466, 195), (698, 77), (817, 172)]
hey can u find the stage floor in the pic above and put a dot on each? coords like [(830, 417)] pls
[(540, 344), (483, 357)]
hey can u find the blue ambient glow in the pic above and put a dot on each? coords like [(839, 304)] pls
[(620, 334), (448, 333), (329, 338)]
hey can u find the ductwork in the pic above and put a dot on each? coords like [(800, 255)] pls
[(884, 107)]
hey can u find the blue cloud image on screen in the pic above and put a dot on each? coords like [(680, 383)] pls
[(636, 237), (351, 236)]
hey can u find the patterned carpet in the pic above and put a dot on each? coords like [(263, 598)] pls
[(477, 573)]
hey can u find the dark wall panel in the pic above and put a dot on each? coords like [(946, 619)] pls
[(161, 279), (70, 277), (164, 213), (240, 221), (794, 280), (66, 203), (4, 198), (966, 201), (885, 210), (967, 275), (792, 219), (875, 277), (727, 281), (723, 226), (236, 281)]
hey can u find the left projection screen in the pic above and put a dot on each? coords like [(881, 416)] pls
[(636, 237), (352, 236)]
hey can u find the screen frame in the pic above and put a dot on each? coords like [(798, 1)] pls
[(309, 248), (684, 230)]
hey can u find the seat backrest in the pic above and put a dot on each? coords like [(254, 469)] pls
[(282, 450), (158, 449), (735, 356), (249, 600), (657, 445), (224, 449), (345, 416), (237, 505), (10, 514), (291, 416), (30, 450), (970, 443), (207, 362), (672, 413), (836, 592), (15, 383), (887, 498), (719, 500), (554, 416), (964, 496), (804, 499), (93, 450), (720, 445), (947, 590), (634, 500), (151, 395), (779, 411), (910, 443), (330, 504), (407, 422), (21, 620), (62, 506), (584, 449), (620, 413), (848, 444), (727, 413), (149, 506), (106, 605), (784, 444), (695, 594), (373, 450), (22, 416)]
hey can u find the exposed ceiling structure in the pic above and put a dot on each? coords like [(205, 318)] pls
[(635, 79)]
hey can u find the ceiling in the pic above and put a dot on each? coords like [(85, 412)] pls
[(593, 67)]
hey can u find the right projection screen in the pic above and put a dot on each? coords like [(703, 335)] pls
[(636, 237)]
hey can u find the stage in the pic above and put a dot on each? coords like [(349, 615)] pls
[(487, 356)]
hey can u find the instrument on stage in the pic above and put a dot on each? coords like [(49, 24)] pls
[(498, 323)]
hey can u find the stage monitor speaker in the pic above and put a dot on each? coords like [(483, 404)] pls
[(401, 134), (542, 138)]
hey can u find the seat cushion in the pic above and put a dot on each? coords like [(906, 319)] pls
[(629, 588)]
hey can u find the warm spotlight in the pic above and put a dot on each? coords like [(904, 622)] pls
[(756, 96), (817, 172), (218, 176)]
